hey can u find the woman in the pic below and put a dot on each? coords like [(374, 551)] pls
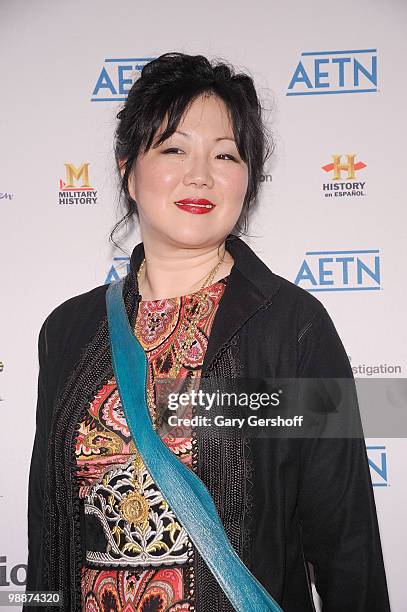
[(190, 148)]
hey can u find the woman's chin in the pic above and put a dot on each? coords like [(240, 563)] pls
[(193, 237)]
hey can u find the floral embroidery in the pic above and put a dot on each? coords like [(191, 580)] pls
[(160, 542)]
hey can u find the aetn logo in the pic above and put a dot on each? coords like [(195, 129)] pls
[(116, 78), (118, 269), (377, 459), (334, 72), (355, 270)]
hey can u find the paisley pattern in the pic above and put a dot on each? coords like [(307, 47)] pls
[(142, 590), (146, 562)]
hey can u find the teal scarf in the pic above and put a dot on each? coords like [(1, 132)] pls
[(184, 492)]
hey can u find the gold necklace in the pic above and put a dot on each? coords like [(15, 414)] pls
[(193, 323)]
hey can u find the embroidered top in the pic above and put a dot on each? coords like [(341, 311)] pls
[(146, 563)]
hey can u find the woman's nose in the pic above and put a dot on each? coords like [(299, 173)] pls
[(199, 173)]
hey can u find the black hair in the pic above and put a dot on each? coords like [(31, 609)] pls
[(166, 88)]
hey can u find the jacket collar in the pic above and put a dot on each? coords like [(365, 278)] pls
[(251, 285)]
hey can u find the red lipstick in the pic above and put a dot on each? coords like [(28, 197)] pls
[(196, 206)]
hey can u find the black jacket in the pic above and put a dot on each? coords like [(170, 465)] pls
[(283, 501)]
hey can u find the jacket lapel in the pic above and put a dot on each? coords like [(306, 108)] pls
[(240, 300)]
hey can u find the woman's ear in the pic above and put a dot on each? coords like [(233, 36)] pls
[(122, 166)]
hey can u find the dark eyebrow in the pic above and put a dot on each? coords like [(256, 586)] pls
[(216, 139)]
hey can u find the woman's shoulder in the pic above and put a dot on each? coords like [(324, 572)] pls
[(87, 300), (285, 295), (89, 304), (74, 321), (298, 317), (292, 302)]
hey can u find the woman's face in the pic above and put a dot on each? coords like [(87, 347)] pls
[(203, 162)]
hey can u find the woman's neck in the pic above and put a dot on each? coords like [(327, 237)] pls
[(167, 274)]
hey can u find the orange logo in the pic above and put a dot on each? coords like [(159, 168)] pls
[(78, 175), (337, 166)]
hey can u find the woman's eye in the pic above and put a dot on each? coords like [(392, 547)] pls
[(227, 155), (175, 149)]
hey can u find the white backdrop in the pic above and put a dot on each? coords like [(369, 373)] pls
[(60, 94)]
